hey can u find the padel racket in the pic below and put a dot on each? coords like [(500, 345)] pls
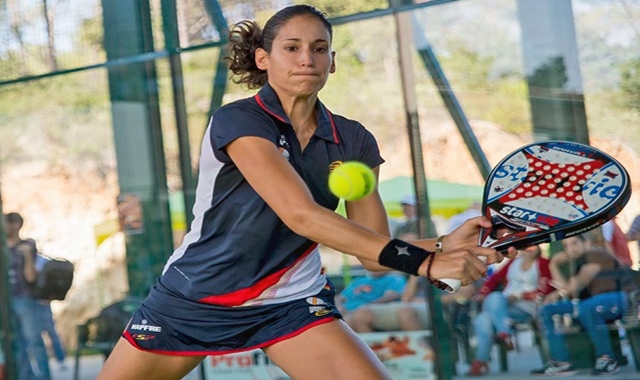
[(548, 191)]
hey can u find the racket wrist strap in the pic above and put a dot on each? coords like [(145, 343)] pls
[(402, 256), (434, 281)]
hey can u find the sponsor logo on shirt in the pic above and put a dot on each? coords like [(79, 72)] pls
[(283, 147), (334, 165)]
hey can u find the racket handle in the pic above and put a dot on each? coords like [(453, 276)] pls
[(454, 284)]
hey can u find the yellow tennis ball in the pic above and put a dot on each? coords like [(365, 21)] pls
[(352, 180)]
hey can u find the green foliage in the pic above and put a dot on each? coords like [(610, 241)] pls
[(91, 33), (552, 74), (59, 120), (630, 84), (466, 66), (342, 8)]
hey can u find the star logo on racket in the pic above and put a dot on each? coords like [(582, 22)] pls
[(403, 251), (610, 174)]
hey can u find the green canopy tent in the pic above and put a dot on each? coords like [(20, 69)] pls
[(445, 198)]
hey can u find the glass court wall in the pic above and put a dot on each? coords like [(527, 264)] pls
[(103, 106)]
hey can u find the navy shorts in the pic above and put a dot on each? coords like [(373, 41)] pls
[(167, 324)]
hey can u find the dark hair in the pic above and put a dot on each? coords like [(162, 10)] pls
[(14, 218), (246, 37)]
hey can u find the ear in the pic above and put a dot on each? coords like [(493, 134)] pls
[(332, 69), (261, 58)]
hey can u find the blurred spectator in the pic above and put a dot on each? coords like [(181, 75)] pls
[(49, 328), (410, 225), (471, 212), (525, 280), (369, 290), (616, 242), (412, 313), (48, 323), (22, 273), (592, 295), (634, 231)]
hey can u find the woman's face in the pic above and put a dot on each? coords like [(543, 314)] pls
[(301, 58), (531, 252)]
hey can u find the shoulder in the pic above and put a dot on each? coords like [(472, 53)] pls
[(27, 244), (241, 118), (239, 110), (599, 256), (349, 128)]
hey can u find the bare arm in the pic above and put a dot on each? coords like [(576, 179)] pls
[(273, 178), (370, 212), (30, 273), (583, 278), (557, 277), (410, 289)]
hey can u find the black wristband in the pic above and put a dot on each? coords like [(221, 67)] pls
[(400, 255)]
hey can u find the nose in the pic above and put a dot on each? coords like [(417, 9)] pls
[(306, 57)]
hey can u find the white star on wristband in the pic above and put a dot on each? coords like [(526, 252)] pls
[(403, 251)]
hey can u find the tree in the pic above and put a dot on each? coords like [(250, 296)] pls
[(49, 19), (630, 84), (552, 74)]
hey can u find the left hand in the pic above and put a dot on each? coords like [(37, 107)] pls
[(467, 235)]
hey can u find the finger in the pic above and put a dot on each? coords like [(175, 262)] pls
[(511, 252), (485, 222), (489, 255), (479, 268)]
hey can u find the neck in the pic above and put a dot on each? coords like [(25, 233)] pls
[(301, 111), (13, 240)]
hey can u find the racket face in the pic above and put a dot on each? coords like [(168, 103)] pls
[(547, 191)]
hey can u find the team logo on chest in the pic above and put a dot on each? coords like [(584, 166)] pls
[(283, 147)]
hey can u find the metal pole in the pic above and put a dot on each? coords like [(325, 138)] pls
[(450, 100), (172, 45), (403, 27), (6, 332), (220, 79)]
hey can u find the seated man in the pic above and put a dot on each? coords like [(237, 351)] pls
[(374, 288), (597, 301)]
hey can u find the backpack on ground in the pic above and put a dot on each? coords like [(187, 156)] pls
[(54, 279)]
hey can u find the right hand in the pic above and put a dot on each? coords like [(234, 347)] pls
[(462, 264)]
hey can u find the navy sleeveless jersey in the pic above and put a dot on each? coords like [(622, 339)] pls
[(238, 252)]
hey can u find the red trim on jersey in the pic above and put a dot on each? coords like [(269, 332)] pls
[(241, 296), (333, 128), (264, 107), (134, 343)]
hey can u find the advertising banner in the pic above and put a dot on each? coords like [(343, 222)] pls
[(407, 355)]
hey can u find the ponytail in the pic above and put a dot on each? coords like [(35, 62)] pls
[(244, 39)]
